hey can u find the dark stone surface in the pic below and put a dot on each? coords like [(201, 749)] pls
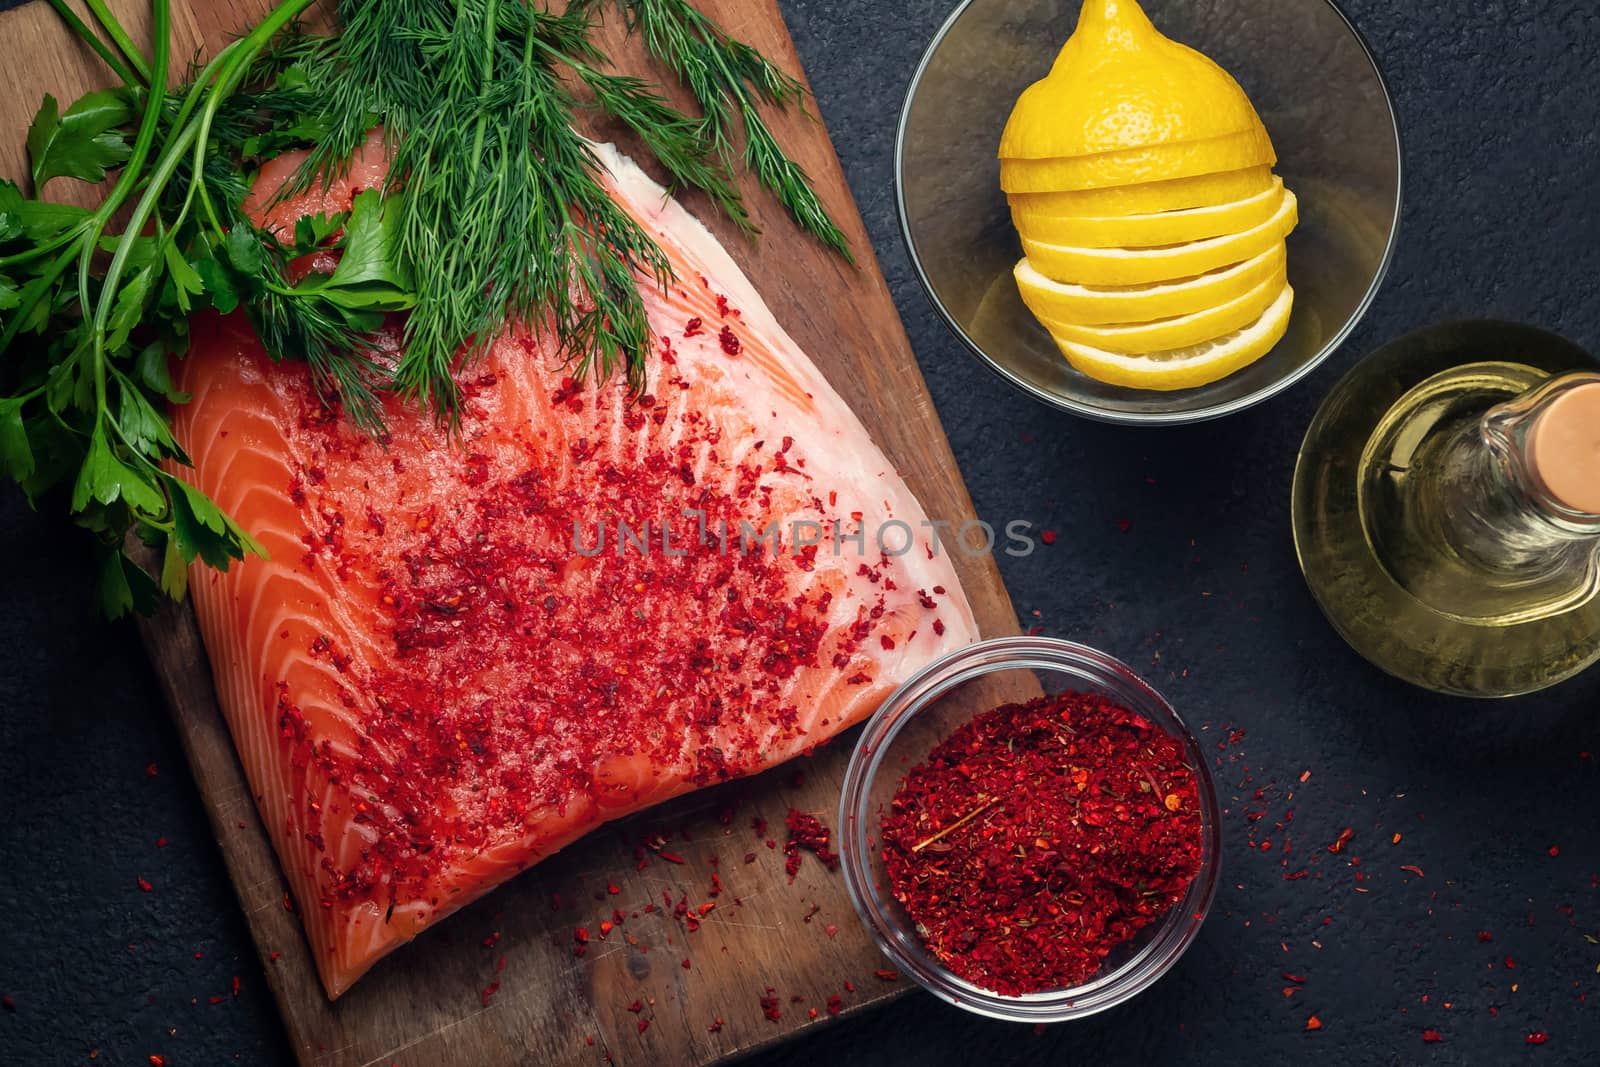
[(1500, 115)]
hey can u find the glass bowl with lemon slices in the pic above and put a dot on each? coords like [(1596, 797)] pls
[(1146, 213)]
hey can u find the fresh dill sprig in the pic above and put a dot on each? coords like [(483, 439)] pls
[(728, 77)]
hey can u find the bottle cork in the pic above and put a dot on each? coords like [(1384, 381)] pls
[(1563, 449)]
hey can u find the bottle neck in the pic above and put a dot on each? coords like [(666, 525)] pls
[(1498, 483)]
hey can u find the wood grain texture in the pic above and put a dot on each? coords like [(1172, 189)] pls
[(423, 1004)]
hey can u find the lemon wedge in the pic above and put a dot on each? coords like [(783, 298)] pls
[(1092, 306), (1191, 367), (1138, 339), (1178, 194), (1137, 266), (1159, 228), (1184, 159), (1118, 84)]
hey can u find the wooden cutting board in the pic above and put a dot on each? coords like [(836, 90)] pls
[(424, 1005)]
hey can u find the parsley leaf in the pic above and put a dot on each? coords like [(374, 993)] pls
[(83, 143)]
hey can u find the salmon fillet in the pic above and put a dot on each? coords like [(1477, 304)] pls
[(441, 676)]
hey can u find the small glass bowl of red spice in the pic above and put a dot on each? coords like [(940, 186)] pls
[(1030, 831)]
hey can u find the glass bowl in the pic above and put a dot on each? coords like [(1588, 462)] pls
[(926, 710), (1318, 89)]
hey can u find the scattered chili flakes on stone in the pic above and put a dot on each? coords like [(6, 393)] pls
[(1412, 869), (1432, 1036), (1313, 1023), (1537, 1037), (144, 885), (1344, 838), (8, 1002)]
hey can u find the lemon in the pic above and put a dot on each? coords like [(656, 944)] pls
[(1178, 194), (1186, 368), (1183, 159), (1119, 84), (1159, 228), (1088, 306), (1137, 266), (1143, 338)]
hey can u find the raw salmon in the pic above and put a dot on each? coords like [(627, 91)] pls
[(443, 674)]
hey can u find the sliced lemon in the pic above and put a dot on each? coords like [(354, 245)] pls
[(1119, 83), (1179, 194), (1184, 159), (1139, 266), (1091, 306), (1186, 368), (1138, 339), (1160, 228)]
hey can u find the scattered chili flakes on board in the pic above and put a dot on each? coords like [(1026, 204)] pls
[(1040, 836), (807, 832)]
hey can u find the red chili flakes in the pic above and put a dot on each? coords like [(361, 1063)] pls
[(1345, 837), (730, 341), (488, 991), (685, 963), (150, 771), (1048, 537), (144, 885), (886, 975), (1554, 851), (835, 1004), (613, 888), (157, 1060), (581, 935), (1484, 935), (235, 987), (1432, 1036), (274, 957), (644, 1024), (8, 1002), (672, 857), (1016, 846), (1537, 1037), (749, 857), (161, 842), (1313, 1023), (692, 327), (1411, 868), (807, 832), (771, 1006), (716, 1025)]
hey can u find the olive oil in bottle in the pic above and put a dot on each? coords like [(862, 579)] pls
[(1447, 509)]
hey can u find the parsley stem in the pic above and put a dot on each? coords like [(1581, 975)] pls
[(120, 38), (92, 39)]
